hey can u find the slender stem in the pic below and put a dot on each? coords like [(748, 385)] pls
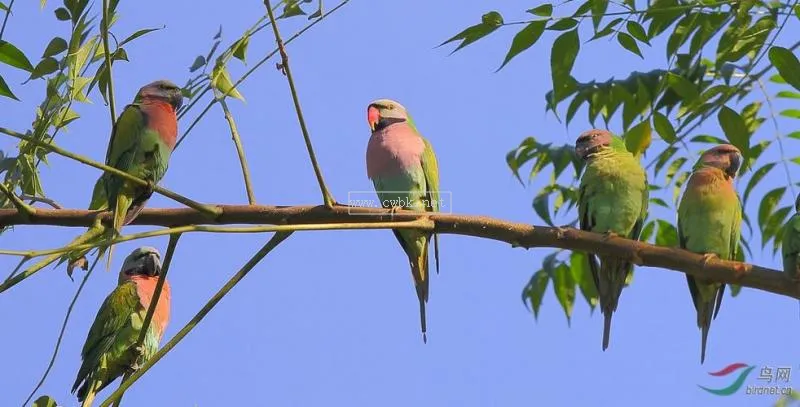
[(16, 269), (421, 224), (268, 247), (148, 318), (42, 199), (326, 195), (258, 64), (61, 334), (21, 206), (251, 198), (104, 32), (778, 136), (5, 18), (207, 209)]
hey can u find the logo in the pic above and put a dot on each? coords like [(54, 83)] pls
[(738, 373)]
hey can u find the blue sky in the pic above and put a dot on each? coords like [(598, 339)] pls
[(340, 326)]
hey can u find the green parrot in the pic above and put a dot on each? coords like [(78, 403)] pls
[(709, 222), (404, 171), (110, 349), (790, 247), (141, 144), (614, 197)]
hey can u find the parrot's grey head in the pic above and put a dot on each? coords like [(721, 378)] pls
[(144, 261), (592, 141), (383, 112), (726, 157), (163, 90)]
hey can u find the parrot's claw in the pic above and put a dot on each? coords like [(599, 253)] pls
[(739, 270), (609, 235), (394, 210), (708, 257), (150, 187)]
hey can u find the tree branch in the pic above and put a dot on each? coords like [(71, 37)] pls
[(18, 203), (326, 194), (516, 234), (276, 239)]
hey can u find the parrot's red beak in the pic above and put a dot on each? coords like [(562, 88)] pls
[(373, 117)]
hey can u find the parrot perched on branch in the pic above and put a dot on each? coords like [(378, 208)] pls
[(613, 199), (709, 222), (111, 349), (403, 169), (141, 144), (790, 246)]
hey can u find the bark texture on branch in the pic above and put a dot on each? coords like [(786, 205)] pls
[(516, 234)]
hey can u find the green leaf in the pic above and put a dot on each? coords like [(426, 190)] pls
[(788, 94), (787, 65), (5, 90), (541, 205), (667, 235), (11, 55), (793, 113), (3, 6), (291, 9), (629, 43), (545, 10), (647, 231), (768, 204), (637, 31), (45, 67), (240, 48), (664, 128), (683, 87), (608, 29), (534, 291), (563, 25), (579, 266), (138, 34), (562, 58), (794, 135), (490, 22), (221, 81), (56, 46), (660, 202), (735, 129), (45, 401), (774, 224), (198, 63), (757, 176), (564, 287), (524, 39), (638, 138), (62, 14)]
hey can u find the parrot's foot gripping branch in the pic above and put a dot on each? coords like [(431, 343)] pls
[(708, 257)]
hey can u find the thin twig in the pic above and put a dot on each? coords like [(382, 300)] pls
[(207, 209), (16, 269), (33, 198), (778, 135), (104, 33), (148, 318), (21, 206), (61, 334), (258, 64), (326, 195), (421, 224), (237, 142), (271, 244), (5, 19)]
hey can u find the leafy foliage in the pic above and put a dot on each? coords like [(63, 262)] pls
[(712, 73)]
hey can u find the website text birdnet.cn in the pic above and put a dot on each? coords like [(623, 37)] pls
[(398, 199)]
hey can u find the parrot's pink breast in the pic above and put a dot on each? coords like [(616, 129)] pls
[(145, 287), (161, 118), (393, 149)]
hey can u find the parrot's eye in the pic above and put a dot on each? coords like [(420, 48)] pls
[(390, 107)]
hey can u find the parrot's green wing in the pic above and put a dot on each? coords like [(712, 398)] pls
[(430, 167), (111, 318), (587, 222), (125, 137)]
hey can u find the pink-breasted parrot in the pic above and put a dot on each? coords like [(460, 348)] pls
[(404, 171), (141, 144), (614, 197), (111, 349), (709, 222)]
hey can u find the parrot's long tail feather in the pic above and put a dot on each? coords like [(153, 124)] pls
[(419, 270), (704, 317), (124, 202), (89, 399), (612, 275), (436, 251)]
